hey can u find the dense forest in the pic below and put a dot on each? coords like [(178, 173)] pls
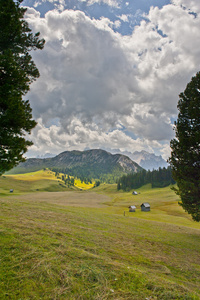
[(158, 178), (87, 174)]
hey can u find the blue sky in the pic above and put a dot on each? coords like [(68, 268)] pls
[(111, 72), (113, 10)]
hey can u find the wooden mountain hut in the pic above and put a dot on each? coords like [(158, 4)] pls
[(132, 208), (145, 206)]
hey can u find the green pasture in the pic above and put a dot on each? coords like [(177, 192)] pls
[(72, 244), (43, 180), (30, 182)]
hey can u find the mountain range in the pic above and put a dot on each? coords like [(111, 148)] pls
[(148, 161), (95, 164)]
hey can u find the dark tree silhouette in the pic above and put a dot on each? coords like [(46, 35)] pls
[(17, 72), (185, 155)]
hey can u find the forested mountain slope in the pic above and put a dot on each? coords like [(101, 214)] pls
[(91, 163)]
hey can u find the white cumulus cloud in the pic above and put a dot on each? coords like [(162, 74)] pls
[(95, 83), (112, 3)]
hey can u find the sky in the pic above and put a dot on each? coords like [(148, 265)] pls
[(111, 72)]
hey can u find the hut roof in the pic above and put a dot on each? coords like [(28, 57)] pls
[(145, 204), (132, 207), (134, 193)]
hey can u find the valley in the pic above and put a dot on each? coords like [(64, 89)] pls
[(67, 243)]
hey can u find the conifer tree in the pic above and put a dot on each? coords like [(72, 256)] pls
[(17, 72), (185, 155)]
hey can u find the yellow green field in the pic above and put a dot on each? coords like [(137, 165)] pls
[(61, 243), (33, 176), (83, 185), (43, 180)]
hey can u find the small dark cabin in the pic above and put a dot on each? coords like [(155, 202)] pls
[(145, 206)]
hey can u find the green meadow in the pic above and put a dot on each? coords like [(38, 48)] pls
[(62, 243)]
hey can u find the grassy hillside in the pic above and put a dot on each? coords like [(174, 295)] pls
[(31, 182), (43, 180), (79, 245)]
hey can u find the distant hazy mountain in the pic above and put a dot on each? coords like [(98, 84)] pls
[(93, 163), (46, 155), (146, 160)]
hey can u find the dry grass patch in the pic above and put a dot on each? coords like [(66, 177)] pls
[(69, 198)]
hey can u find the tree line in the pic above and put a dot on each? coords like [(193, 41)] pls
[(158, 178), (89, 173), (76, 172)]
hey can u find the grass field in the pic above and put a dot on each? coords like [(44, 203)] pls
[(43, 180), (83, 185), (72, 244)]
